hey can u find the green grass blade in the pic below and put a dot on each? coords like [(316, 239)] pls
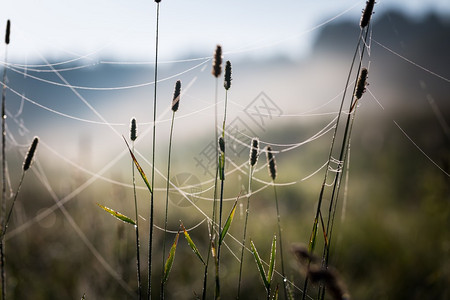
[(170, 259), (312, 239), (272, 259), (259, 265), (192, 244), (138, 166), (118, 215), (228, 222)]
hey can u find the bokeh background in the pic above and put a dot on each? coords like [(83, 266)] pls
[(78, 72)]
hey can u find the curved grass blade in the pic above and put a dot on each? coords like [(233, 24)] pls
[(259, 265), (138, 166), (170, 259), (118, 215), (272, 259), (192, 245), (228, 222)]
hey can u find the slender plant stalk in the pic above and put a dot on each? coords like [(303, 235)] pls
[(3, 204), (26, 165), (216, 71), (322, 190), (227, 85), (133, 137), (175, 104), (357, 91), (254, 151), (150, 248), (273, 174)]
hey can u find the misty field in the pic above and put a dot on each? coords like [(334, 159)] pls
[(232, 173)]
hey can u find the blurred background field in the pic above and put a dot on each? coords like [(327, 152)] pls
[(392, 236)]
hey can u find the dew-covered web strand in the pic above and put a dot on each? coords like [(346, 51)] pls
[(133, 86), (40, 174), (296, 36), (409, 138), (73, 117), (412, 62)]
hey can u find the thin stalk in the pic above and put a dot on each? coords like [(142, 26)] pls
[(250, 176), (219, 243), (153, 158), (138, 259), (216, 137), (167, 202), (3, 205), (322, 190), (222, 180), (281, 240), (338, 178)]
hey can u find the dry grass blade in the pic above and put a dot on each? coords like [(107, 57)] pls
[(138, 166), (118, 215), (192, 244), (170, 259)]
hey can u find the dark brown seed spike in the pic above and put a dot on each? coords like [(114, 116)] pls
[(217, 63), (367, 13), (176, 96), (30, 154)]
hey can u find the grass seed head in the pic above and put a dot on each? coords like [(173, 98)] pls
[(176, 96), (221, 145), (8, 31), (367, 13), (361, 84), (254, 151), (133, 130), (30, 154), (227, 82), (217, 63), (271, 163)]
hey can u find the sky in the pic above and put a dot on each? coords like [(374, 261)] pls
[(125, 30)]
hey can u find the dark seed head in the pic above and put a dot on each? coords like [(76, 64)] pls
[(30, 154), (157, 1), (271, 162), (361, 84), (254, 152), (367, 13), (8, 31), (176, 96), (227, 82), (133, 130), (217, 64), (221, 145)]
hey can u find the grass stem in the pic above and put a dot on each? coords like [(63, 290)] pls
[(153, 157)]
